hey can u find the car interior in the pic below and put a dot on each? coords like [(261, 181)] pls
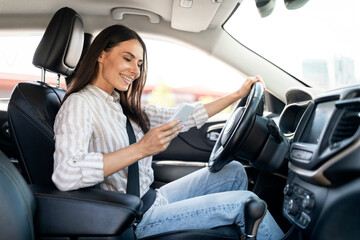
[(298, 144)]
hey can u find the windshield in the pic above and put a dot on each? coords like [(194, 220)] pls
[(319, 43)]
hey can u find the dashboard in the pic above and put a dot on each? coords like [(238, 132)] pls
[(322, 192)]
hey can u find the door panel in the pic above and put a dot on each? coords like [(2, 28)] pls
[(193, 145), (167, 171), (188, 152)]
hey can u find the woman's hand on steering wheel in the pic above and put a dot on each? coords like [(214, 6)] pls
[(246, 86)]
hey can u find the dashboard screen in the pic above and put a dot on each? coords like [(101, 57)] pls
[(317, 122)]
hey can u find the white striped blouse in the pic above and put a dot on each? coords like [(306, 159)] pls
[(91, 123)]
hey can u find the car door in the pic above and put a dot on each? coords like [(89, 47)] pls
[(188, 152)]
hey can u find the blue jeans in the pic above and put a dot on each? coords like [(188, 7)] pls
[(204, 200)]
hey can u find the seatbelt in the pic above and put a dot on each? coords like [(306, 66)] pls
[(133, 186)]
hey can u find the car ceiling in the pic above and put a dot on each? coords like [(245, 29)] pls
[(201, 15)]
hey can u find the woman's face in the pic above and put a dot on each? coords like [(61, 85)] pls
[(120, 66)]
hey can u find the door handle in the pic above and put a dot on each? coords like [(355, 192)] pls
[(213, 132), (213, 136)]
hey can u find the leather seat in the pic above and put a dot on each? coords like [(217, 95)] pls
[(32, 110), (34, 105), (42, 212)]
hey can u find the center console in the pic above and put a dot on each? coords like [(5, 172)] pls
[(323, 157)]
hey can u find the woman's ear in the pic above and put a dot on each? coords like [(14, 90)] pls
[(101, 57)]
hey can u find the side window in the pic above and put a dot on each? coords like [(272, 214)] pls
[(16, 54), (179, 73), (176, 72)]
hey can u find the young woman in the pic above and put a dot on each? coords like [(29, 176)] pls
[(92, 143)]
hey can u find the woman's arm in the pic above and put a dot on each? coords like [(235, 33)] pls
[(221, 103), (74, 166)]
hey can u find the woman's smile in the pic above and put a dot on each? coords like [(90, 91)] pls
[(127, 80)]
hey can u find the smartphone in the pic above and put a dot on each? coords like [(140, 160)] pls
[(183, 112)]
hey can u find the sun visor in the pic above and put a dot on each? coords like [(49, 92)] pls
[(192, 15)]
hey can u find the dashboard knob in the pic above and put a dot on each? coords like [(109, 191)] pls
[(308, 202), (288, 190), (292, 207)]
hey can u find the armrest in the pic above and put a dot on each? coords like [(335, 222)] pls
[(87, 211)]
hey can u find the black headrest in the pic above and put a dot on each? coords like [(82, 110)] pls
[(60, 48), (87, 42)]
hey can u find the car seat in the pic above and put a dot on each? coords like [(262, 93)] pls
[(34, 105)]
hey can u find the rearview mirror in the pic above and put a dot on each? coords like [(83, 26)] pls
[(265, 7), (294, 4)]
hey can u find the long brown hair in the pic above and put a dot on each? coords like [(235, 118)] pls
[(130, 100)]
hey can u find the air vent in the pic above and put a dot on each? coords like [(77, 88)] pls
[(348, 124)]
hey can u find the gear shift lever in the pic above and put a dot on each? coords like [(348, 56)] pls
[(254, 212)]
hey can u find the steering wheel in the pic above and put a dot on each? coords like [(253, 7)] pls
[(237, 128)]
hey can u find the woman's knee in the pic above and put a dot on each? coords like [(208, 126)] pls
[(237, 168), (236, 171)]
